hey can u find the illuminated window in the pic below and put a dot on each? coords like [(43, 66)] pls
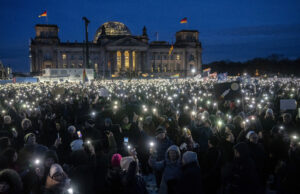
[(177, 57), (133, 60), (64, 65), (126, 60), (80, 65), (119, 60), (64, 56)]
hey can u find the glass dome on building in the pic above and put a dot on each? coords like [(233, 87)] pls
[(112, 29)]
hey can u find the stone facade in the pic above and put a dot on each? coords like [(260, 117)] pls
[(116, 52), (5, 72)]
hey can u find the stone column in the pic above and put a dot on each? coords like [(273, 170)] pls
[(122, 60), (55, 58), (137, 61), (130, 62), (184, 66), (106, 63), (142, 60), (147, 65), (114, 65)]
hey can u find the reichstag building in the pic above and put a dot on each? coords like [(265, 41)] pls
[(116, 52)]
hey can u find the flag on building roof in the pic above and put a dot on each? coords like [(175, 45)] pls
[(43, 14), (171, 49), (183, 21)]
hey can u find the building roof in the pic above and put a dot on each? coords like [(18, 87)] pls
[(46, 25), (112, 29), (188, 31)]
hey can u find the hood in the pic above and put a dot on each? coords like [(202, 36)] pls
[(174, 148)]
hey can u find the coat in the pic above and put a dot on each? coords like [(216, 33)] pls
[(190, 181), (171, 170)]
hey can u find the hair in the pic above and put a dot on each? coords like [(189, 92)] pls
[(9, 154), (12, 178)]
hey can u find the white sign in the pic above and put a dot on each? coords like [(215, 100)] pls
[(288, 104)]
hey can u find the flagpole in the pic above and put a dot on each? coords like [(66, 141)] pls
[(47, 19)]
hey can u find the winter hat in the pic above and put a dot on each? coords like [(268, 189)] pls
[(76, 145), (7, 119), (269, 111), (249, 134), (71, 129), (13, 179), (188, 132), (116, 160), (189, 157), (55, 168), (27, 136), (125, 162), (148, 120), (108, 120), (159, 130), (51, 154)]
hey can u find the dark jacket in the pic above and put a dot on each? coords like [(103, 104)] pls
[(243, 179), (191, 180), (162, 147), (133, 183)]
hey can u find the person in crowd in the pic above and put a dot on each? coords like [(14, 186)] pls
[(10, 182), (132, 182), (170, 168), (243, 143), (57, 181), (191, 179), (162, 145), (244, 175)]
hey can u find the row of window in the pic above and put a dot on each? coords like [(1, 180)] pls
[(166, 57), (172, 57)]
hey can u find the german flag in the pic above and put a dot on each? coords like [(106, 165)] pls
[(183, 21), (43, 14)]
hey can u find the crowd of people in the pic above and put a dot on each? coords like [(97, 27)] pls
[(108, 136)]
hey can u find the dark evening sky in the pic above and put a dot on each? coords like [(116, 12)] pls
[(235, 30)]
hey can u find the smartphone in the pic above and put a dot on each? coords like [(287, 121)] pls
[(125, 139), (79, 134)]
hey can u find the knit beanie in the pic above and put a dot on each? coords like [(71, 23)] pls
[(116, 160)]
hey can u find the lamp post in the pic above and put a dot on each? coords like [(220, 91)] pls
[(87, 59)]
